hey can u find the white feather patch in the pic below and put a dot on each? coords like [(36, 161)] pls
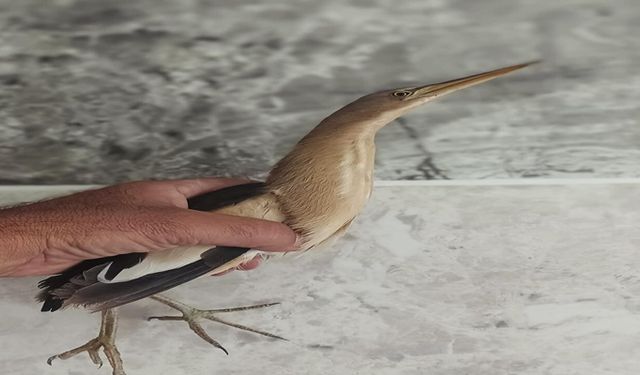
[(155, 262)]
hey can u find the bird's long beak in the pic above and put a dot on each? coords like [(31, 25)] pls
[(443, 88)]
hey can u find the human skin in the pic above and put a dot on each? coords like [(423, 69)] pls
[(46, 237)]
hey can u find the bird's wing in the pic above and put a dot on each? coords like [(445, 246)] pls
[(127, 268), (113, 281), (101, 296)]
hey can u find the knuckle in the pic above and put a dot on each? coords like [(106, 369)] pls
[(133, 188), (244, 231), (172, 234), (163, 231), (133, 185)]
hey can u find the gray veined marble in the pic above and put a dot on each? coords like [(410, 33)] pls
[(100, 91), (439, 280)]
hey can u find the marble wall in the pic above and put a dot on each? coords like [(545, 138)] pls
[(98, 91)]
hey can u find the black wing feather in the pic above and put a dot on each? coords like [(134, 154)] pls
[(58, 288), (55, 282), (226, 197), (106, 296), (122, 262)]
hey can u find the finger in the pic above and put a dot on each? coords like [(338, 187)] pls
[(196, 186), (188, 227), (251, 264), (246, 266)]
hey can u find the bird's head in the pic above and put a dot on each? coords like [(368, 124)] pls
[(378, 109)]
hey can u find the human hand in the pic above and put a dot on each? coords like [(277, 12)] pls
[(46, 237)]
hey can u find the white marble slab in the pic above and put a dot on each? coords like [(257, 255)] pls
[(430, 280)]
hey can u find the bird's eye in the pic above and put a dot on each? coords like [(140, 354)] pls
[(401, 94)]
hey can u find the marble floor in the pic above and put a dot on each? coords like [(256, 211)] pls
[(435, 279), (95, 91)]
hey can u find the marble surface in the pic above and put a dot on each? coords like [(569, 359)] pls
[(98, 91), (440, 280)]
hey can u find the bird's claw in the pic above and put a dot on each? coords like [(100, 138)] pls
[(93, 350)]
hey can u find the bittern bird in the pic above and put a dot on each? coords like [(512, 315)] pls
[(317, 189)]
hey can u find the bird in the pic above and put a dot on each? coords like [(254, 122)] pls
[(318, 189)]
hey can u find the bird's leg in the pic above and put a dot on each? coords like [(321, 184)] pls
[(192, 316), (105, 340)]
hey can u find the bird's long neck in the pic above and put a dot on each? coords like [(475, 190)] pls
[(326, 179)]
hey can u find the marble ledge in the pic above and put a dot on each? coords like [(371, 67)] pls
[(432, 279)]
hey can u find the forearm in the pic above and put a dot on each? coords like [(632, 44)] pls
[(22, 239)]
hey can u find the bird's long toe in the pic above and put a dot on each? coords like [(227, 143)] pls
[(193, 317)]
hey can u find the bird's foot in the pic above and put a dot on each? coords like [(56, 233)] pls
[(92, 348), (105, 340), (192, 316)]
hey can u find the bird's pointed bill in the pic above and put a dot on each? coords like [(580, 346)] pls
[(443, 88)]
